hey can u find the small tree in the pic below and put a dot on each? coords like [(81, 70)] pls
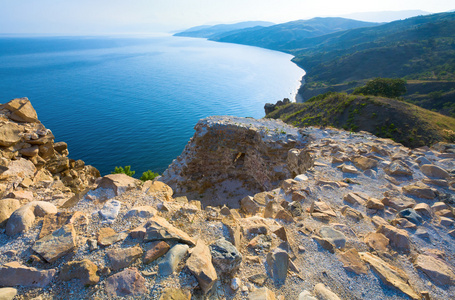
[(149, 175), (126, 170), (385, 87)]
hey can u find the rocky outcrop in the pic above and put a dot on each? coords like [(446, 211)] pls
[(231, 150)]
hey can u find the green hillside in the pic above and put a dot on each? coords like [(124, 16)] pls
[(403, 122), (207, 31)]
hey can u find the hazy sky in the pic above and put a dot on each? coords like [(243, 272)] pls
[(115, 16)]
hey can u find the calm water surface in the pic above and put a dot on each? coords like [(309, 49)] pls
[(135, 101)]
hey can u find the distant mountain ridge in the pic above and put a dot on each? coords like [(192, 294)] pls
[(385, 16), (208, 31)]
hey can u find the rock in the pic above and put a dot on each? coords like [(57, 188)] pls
[(61, 147), (225, 257), (158, 189), (84, 270), (446, 222), (398, 168), (21, 168), (398, 203), (16, 274), (271, 209), (399, 238), (278, 264), (434, 171), (390, 275), (262, 294), (352, 262), (323, 293), (200, 265), (376, 241), (327, 245), (53, 222), (261, 242), (322, 207), (141, 212), (334, 236), (248, 205), (351, 213), (172, 259), (306, 295), (57, 244), (356, 198), (422, 233), (378, 221), (421, 190), (7, 293), (295, 208), (110, 211), (155, 251), (422, 160), (30, 151), (423, 209), (349, 169), (9, 134), (364, 163), (122, 258), (21, 195), (7, 207), (411, 215), (157, 229), (284, 215), (373, 203), (301, 177), (42, 208), (22, 110), (119, 183), (175, 294), (129, 282), (107, 236), (20, 220), (437, 270), (258, 279)]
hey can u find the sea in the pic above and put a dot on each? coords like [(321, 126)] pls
[(135, 100)]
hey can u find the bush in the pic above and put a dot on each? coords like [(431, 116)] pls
[(149, 175), (126, 170), (385, 87)]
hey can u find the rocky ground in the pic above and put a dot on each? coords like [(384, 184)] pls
[(311, 214)]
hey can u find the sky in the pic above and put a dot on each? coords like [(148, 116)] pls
[(148, 16)]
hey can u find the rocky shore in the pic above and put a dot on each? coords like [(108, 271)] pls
[(252, 209)]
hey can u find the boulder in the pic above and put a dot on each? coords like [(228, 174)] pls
[(399, 238), (434, 171), (158, 189), (278, 264), (411, 215), (398, 203), (420, 190), (57, 244), (22, 168), (249, 206), (200, 265), (437, 270), (7, 293), (9, 134), (122, 258), (158, 229), (85, 270), (364, 163), (20, 220), (155, 250), (110, 211), (119, 183), (129, 282), (322, 207), (22, 110), (7, 207), (373, 203), (306, 295), (324, 293), (377, 241), (334, 236), (423, 209), (16, 274), (390, 275), (225, 257), (398, 168), (172, 259), (271, 209)]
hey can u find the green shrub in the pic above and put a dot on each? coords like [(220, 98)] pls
[(385, 87), (149, 175), (126, 170)]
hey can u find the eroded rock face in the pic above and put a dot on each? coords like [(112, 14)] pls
[(253, 152)]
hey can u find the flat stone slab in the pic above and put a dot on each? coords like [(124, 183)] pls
[(110, 211), (334, 236), (16, 274), (122, 258), (126, 283), (437, 270), (172, 259), (57, 244)]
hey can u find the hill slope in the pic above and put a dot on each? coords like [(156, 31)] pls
[(406, 123), (207, 31)]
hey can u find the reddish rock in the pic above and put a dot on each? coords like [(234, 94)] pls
[(16, 274), (126, 283), (157, 249)]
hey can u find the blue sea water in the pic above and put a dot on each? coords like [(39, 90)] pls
[(134, 101)]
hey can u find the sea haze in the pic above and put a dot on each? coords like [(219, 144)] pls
[(135, 101)]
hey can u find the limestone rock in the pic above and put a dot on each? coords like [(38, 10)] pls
[(327, 245), (334, 236), (278, 264), (352, 262), (377, 241), (324, 293), (271, 209), (158, 189), (119, 183), (356, 198), (20, 220), (22, 110), (258, 279), (390, 275), (225, 257), (108, 236), (16, 274), (398, 168), (56, 244), (172, 259), (437, 270), (373, 203), (53, 222), (411, 215), (399, 238), (322, 207), (351, 213), (7, 293), (262, 294), (434, 171), (349, 169), (122, 258), (42, 208), (420, 190), (155, 251), (21, 168), (110, 211), (364, 163), (7, 207), (398, 203), (299, 161), (306, 295), (175, 294), (129, 282), (9, 134), (248, 205), (84, 270), (157, 228), (146, 211), (200, 265)]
